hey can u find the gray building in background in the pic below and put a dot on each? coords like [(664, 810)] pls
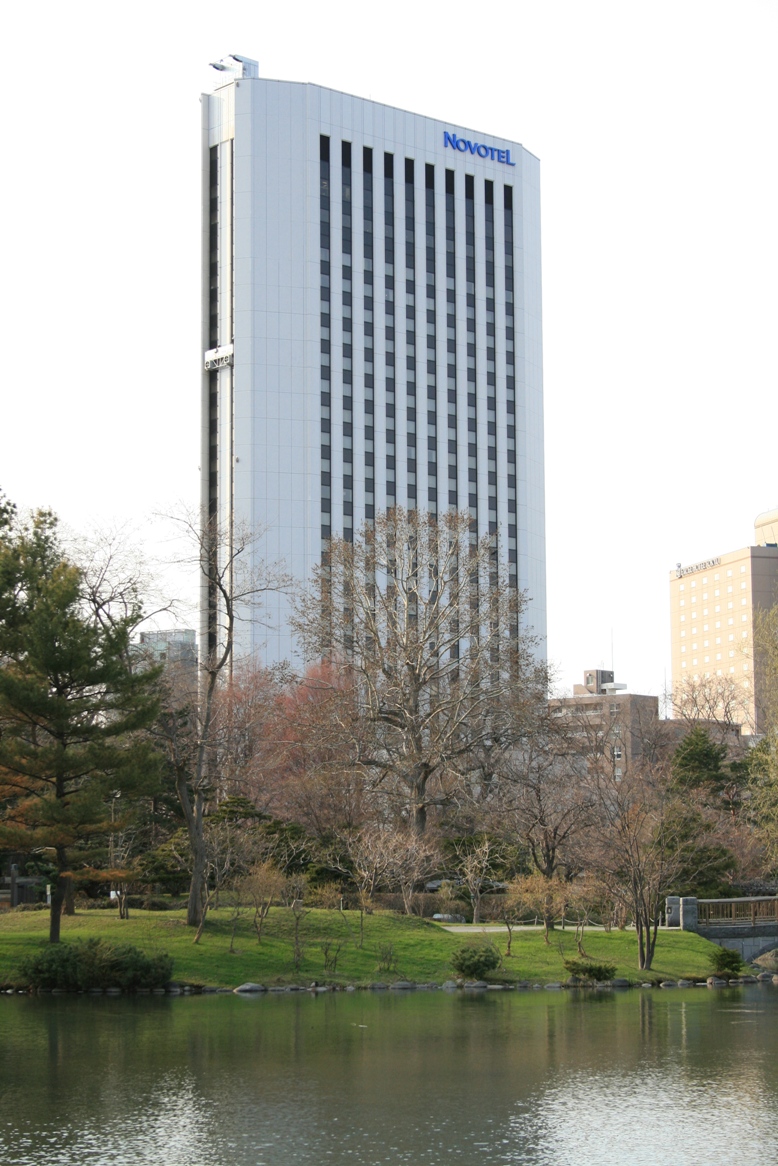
[(371, 329), (176, 646)]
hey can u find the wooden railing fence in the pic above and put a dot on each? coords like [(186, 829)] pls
[(737, 912)]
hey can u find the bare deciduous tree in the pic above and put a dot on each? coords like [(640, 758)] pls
[(311, 769), (538, 796), (544, 897), (421, 619), (475, 866), (637, 846), (414, 859), (263, 885), (189, 726), (367, 858), (713, 701)]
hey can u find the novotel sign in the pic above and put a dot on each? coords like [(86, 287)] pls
[(465, 146)]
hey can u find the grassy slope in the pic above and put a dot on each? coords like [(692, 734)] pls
[(422, 949)]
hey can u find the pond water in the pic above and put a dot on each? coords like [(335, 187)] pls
[(558, 1079)]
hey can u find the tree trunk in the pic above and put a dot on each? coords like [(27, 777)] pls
[(55, 916), (193, 815), (195, 909), (69, 907), (201, 926), (651, 928), (548, 918), (645, 946), (419, 820)]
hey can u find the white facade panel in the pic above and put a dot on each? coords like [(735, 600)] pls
[(349, 360)]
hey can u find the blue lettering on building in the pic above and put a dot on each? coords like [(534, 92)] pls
[(465, 146)]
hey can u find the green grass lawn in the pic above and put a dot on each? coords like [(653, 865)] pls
[(421, 949)]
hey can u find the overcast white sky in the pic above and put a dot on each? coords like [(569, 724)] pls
[(655, 124)]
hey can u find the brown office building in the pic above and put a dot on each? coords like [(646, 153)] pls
[(713, 605)]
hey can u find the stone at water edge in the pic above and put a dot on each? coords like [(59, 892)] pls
[(765, 978), (250, 987), (450, 986), (668, 984), (768, 961), (619, 983)]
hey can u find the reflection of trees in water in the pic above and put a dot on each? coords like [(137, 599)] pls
[(189, 1080)]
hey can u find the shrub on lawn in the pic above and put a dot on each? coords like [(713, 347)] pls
[(589, 970), (475, 960), (724, 962), (153, 903), (92, 963)]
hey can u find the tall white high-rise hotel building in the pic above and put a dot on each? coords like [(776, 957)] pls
[(371, 327)]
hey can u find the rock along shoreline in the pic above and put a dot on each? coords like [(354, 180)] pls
[(249, 988)]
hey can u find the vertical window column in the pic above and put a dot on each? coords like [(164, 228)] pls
[(472, 434), (213, 331), (213, 375), (432, 406), (325, 370), (510, 387), (451, 342), (348, 386), (410, 330), (369, 394), (491, 401), (391, 482)]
